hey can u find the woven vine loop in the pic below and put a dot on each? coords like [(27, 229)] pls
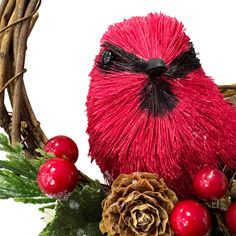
[(17, 19)]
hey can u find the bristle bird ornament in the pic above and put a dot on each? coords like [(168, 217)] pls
[(151, 107)]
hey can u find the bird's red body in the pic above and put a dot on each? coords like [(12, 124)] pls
[(175, 140)]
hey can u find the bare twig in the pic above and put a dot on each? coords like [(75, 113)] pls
[(17, 19), (21, 50), (2, 7), (11, 80)]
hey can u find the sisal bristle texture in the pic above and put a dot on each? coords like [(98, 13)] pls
[(197, 127)]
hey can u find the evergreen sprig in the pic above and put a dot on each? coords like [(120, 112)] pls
[(18, 175), (78, 214)]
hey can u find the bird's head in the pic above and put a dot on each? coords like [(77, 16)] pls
[(140, 60)]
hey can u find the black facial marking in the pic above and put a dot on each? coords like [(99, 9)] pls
[(157, 96), (184, 64)]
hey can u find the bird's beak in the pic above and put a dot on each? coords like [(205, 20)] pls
[(155, 67)]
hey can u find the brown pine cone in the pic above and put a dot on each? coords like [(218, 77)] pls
[(139, 205)]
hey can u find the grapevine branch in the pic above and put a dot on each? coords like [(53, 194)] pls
[(17, 19)]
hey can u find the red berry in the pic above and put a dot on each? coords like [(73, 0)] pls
[(190, 218), (231, 218), (57, 177), (210, 184), (62, 147)]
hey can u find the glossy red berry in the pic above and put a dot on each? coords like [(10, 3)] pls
[(62, 147), (57, 176), (190, 218), (231, 218), (210, 184)]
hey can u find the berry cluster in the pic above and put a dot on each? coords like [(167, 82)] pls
[(189, 217), (59, 175)]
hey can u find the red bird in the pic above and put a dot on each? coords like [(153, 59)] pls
[(151, 107)]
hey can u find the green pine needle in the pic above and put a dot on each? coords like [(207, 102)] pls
[(18, 175), (75, 215)]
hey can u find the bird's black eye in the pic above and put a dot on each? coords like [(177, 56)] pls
[(107, 57)]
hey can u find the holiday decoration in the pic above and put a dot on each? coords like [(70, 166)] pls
[(18, 175), (190, 218), (57, 177), (77, 213), (152, 108), (158, 128), (63, 147), (139, 204), (231, 218), (210, 183)]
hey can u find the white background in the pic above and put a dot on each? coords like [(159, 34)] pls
[(60, 56)]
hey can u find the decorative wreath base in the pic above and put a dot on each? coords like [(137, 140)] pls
[(17, 21)]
